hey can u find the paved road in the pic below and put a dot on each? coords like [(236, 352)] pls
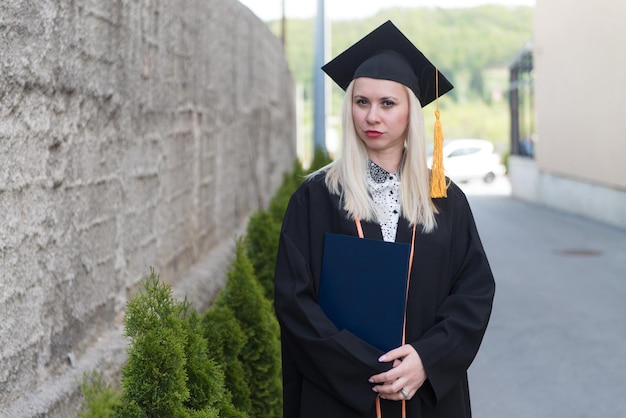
[(556, 343)]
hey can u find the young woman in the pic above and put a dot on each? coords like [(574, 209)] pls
[(379, 189)]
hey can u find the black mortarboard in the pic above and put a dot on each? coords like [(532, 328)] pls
[(385, 53)]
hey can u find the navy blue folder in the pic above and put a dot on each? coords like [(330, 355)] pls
[(363, 287)]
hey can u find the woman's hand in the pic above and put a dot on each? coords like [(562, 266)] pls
[(407, 374)]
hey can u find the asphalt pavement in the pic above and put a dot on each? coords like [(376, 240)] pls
[(556, 342)]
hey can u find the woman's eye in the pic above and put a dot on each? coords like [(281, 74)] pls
[(361, 102), (388, 103)]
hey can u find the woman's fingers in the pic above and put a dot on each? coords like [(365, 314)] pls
[(404, 378)]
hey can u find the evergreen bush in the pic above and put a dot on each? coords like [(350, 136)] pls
[(154, 377), (101, 400), (225, 340), (320, 159), (264, 226), (260, 356), (262, 245), (291, 181), (225, 363), (204, 378), (168, 373)]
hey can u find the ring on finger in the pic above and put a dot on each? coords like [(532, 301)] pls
[(404, 393)]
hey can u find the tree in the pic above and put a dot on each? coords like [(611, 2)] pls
[(260, 356), (169, 372), (225, 341)]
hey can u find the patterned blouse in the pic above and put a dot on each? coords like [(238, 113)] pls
[(384, 188)]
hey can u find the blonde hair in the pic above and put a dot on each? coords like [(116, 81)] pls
[(346, 176)]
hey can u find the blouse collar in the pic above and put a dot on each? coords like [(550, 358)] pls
[(379, 174)]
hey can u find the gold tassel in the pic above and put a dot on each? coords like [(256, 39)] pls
[(438, 187)]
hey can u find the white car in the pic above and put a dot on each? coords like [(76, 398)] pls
[(469, 159)]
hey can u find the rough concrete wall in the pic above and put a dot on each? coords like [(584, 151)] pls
[(132, 134)]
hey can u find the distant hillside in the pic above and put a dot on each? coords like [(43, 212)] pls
[(464, 43), (471, 46)]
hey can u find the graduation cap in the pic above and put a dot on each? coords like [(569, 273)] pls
[(385, 53)]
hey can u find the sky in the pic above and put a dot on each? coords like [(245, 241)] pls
[(351, 9)]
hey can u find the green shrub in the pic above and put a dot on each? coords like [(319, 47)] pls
[(169, 372), (204, 377), (225, 340), (264, 226), (505, 161), (262, 245), (260, 356), (100, 399), (291, 181), (223, 364), (279, 201), (320, 159), (154, 377)]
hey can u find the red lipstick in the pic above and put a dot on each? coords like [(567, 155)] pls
[(373, 134)]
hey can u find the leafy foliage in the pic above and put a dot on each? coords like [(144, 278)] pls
[(291, 181), (169, 372), (154, 377), (262, 245), (260, 356), (204, 378), (264, 229), (264, 226), (101, 400), (225, 363), (320, 159), (225, 340)]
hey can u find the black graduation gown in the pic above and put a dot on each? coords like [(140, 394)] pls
[(326, 370)]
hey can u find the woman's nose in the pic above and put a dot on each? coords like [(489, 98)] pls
[(372, 116)]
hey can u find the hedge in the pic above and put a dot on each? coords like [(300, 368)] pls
[(224, 363)]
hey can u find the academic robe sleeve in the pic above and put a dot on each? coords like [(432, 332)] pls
[(448, 348), (335, 361)]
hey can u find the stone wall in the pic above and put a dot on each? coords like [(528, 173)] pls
[(132, 134)]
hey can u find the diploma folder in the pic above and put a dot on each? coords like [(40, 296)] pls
[(363, 287)]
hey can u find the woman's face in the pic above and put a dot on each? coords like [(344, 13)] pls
[(380, 110)]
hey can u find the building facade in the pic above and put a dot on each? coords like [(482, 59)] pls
[(579, 74)]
